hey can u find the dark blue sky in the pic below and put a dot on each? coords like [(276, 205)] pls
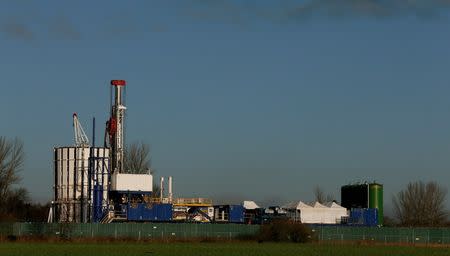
[(256, 101)]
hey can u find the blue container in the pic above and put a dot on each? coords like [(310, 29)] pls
[(149, 212), (356, 217), (236, 214), (363, 217), (371, 217)]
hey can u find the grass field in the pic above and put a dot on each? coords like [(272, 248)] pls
[(198, 249)]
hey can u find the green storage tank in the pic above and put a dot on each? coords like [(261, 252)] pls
[(376, 199)]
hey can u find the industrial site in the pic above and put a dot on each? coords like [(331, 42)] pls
[(212, 127), (92, 186)]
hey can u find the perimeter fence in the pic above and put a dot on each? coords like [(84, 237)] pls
[(129, 230), (383, 234), (220, 231)]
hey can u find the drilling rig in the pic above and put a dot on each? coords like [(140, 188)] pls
[(114, 134), (92, 184), (126, 186)]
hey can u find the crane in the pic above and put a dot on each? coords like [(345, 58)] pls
[(81, 140)]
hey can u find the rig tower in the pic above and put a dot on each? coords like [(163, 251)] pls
[(115, 126)]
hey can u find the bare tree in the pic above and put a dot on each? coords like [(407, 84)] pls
[(156, 192), (137, 158), (320, 196), (138, 161), (11, 162), (421, 204)]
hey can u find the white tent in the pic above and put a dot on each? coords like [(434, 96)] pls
[(337, 210), (330, 213), (250, 205), (318, 205), (296, 205)]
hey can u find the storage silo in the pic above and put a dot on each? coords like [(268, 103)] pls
[(355, 196), (376, 200), (78, 172), (363, 196)]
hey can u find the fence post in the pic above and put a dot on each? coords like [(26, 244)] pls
[(321, 232)]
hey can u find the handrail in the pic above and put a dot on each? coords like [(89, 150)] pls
[(192, 201)]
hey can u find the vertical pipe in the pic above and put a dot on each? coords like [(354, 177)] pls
[(108, 173), (67, 185), (97, 191), (75, 165), (161, 186), (368, 196), (55, 187), (170, 189), (82, 201), (93, 185), (103, 198), (93, 132), (89, 178), (120, 122)]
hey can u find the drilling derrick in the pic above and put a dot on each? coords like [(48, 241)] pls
[(115, 126)]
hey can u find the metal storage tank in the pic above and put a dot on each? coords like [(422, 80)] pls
[(376, 200), (78, 170), (355, 196)]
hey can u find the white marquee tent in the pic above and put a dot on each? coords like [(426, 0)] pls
[(315, 213)]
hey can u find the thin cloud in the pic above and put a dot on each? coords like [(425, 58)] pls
[(282, 11), (16, 30), (61, 28)]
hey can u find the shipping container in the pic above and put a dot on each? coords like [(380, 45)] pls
[(363, 217), (229, 213), (149, 212)]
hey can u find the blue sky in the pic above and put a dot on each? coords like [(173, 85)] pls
[(237, 100)]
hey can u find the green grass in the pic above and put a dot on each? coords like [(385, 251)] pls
[(199, 249)]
